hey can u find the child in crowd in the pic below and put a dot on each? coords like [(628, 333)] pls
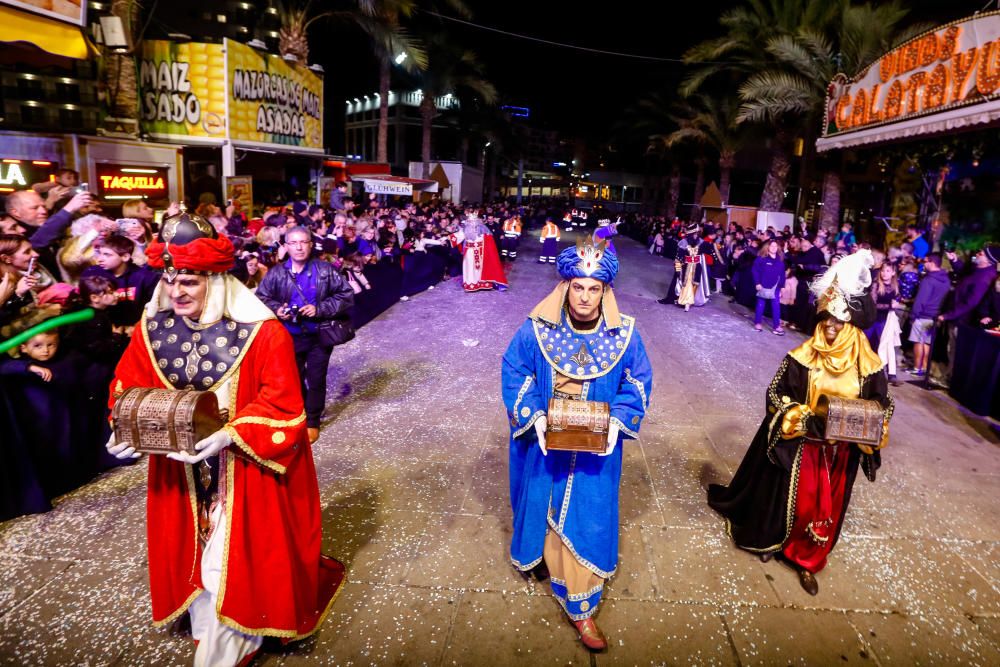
[(134, 284), (908, 278), (45, 377), (883, 334)]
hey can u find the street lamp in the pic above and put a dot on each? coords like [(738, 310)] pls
[(400, 58)]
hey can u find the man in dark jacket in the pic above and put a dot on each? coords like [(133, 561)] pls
[(304, 293), (933, 289), (44, 231)]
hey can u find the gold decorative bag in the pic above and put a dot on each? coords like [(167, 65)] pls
[(851, 420), (160, 421), (580, 426)]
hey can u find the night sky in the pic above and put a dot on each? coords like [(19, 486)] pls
[(578, 93)]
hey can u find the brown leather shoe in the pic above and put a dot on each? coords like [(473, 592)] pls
[(591, 635), (808, 581), (313, 434)]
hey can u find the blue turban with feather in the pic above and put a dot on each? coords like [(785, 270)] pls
[(586, 260)]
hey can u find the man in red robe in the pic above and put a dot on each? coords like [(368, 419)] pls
[(233, 530)]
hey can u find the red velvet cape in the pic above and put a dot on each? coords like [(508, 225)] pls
[(275, 582)]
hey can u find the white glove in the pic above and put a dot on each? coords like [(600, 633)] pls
[(122, 451), (612, 439), (541, 424), (210, 446)]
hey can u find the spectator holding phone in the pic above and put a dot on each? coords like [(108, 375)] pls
[(44, 231)]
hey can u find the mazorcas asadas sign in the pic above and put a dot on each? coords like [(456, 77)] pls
[(272, 102), (228, 91), (954, 66)]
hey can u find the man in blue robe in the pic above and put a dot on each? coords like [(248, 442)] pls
[(575, 344)]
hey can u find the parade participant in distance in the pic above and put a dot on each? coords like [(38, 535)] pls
[(575, 344), (234, 530), (790, 494), (550, 242)]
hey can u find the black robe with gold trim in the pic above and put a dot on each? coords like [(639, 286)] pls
[(759, 503)]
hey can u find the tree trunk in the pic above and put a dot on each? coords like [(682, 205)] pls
[(829, 217), (726, 163), (777, 177), (675, 191), (699, 189), (463, 149), (120, 76), (427, 112), (384, 72)]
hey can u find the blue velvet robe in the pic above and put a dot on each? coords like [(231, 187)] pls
[(573, 493)]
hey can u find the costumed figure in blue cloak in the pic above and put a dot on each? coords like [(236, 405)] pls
[(574, 345), (605, 230)]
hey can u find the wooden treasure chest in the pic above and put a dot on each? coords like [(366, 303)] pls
[(851, 420), (160, 421), (577, 425)]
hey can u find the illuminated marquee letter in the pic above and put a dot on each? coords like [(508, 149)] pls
[(988, 74)]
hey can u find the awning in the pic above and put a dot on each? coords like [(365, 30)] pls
[(56, 37), (977, 116), (384, 184)]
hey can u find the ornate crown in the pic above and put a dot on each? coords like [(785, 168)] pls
[(833, 301), (590, 255)]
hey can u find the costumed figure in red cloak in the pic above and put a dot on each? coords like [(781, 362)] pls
[(790, 494), (233, 530), (481, 268)]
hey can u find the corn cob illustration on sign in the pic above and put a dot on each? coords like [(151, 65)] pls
[(272, 102), (183, 90)]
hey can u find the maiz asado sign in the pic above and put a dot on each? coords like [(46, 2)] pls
[(228, 91), (183, 90), (953, 66)]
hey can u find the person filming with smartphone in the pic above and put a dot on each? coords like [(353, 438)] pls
[(44, 231), (310, 298)]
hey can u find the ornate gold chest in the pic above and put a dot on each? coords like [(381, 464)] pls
[(851, 420), (577, 425), (159, 421)]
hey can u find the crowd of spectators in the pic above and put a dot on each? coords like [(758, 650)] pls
[(921, 295), (323, 270), (326, 270)]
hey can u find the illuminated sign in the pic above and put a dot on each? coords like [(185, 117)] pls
[(389, 188), (22, 174), (271, 101), (183, 89), (131, 182), (946, 69), (64, 10)]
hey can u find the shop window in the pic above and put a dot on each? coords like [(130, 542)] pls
[(68, 92), (30, 89), (71, 118), (33, 115)]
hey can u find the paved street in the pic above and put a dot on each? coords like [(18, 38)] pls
[(412, 471)]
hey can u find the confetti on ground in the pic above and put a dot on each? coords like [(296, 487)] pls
[(412, 468)]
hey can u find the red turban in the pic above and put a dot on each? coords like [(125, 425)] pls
[(204, 255)]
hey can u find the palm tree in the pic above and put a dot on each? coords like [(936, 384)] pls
[(119, 69), (650, 119), (791, 90), (382, 22), (452, 70), (710, 122), (737, 55)]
